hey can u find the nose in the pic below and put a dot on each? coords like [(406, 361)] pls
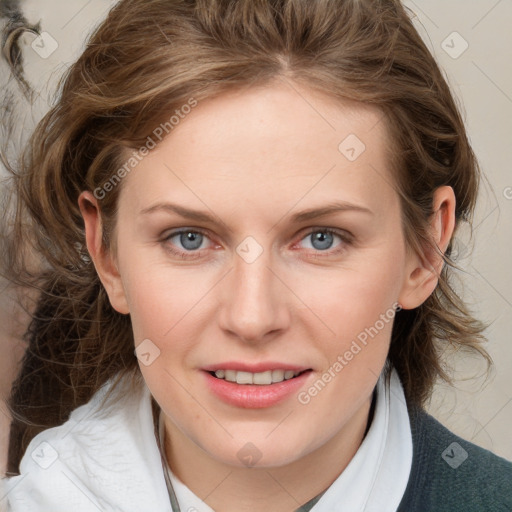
[(254, 301)]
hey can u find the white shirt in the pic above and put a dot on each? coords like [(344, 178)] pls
[(106, 458)]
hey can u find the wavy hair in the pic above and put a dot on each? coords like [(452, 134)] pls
[(147, 59)]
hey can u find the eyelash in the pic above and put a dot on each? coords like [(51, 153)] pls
[(345, 237)]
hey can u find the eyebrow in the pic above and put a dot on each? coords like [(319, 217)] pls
[(305, 215)]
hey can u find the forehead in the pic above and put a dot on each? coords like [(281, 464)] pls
[(282, 141), (285, 110)]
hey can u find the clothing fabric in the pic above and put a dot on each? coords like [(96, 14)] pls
[(450, 474), (106, 458)]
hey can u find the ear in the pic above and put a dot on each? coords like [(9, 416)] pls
[(423, 270), (103, 258)]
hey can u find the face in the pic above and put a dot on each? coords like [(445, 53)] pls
[(261, 240)]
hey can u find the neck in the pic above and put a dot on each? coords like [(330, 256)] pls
[(228, 488)]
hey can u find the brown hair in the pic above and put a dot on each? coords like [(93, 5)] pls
[(149, 58)]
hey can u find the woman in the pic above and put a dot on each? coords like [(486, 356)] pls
[(246, 212)]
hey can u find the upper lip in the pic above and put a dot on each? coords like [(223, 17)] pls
[(254, 367)]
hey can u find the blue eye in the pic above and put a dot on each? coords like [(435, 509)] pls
[(189, 240), (191, 243), (322, 239)]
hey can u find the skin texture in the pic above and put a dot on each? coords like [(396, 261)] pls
[(253, 159)]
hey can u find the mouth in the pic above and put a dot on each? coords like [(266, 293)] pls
[(255, 386), (264, 378)]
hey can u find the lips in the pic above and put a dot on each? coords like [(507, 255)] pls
[(255, 385), (259, 374)]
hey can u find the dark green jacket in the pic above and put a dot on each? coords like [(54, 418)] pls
[(450, 474)]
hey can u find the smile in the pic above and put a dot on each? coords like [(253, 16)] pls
[(255, 390), (261, 378)]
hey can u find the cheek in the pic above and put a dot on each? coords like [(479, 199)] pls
[(159, 303), (354, 298), (158, 295), (165, 315), (360, 311)]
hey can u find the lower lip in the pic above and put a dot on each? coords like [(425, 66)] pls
[(254, 396)]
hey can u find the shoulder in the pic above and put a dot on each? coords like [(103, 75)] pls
[(451, 474), (104, 457)]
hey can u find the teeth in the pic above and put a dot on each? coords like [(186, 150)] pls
[(262, 378), (230, 375), (277, 375), (243, 378)]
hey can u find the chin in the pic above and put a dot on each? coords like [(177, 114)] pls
[(258, 451)]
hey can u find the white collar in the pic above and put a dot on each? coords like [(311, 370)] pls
[(375, 479), (107, 458), (102, 458)]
